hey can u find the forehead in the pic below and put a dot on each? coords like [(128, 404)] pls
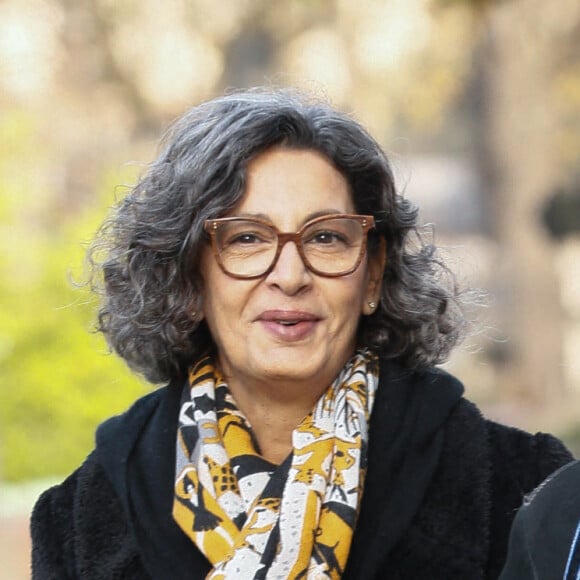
[(289, 186)]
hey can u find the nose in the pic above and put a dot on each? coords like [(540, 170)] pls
[(289, 273)]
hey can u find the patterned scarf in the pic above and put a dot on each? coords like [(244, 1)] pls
[(254, 519)]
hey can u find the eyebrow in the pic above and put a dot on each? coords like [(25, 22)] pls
[(309, 217)]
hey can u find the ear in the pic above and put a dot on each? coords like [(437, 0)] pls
[(197, 316), (197, 309), (376, 269)]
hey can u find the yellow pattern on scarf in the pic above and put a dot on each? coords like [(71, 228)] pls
[(246, 515)]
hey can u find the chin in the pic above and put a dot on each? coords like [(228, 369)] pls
[(296, 369), (295, 372)]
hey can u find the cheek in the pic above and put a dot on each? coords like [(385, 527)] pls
[(219, 305), (349, 300), (360, 286), (214, 297), (224, 305)]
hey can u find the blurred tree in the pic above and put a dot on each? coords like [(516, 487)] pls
[(519, 125)]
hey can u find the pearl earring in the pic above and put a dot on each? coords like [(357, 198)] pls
[(372, 305)]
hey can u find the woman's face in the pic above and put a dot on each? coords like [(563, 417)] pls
[(249, 319)]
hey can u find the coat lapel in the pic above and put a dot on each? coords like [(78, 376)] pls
[(412, 478)]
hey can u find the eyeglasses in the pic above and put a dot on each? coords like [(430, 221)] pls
[(331, 245)]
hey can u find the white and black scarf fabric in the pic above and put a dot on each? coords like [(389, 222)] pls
[(254, 519)]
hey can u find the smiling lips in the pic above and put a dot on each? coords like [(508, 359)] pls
[(288, 325)]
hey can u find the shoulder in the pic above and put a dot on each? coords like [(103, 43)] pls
[(480, 472), (436, 397), (52, 533), (545, 537), (529, 457), (84, 516), (63, 513), (484, 471), (517, 461), (562, 485), (81, 522), (561, 490), (56, 505)]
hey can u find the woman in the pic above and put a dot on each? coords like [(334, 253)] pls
[(265, 269)]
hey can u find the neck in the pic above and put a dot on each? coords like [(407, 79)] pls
[(274, 412)]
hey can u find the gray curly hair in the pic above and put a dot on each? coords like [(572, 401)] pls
[(146, 256)]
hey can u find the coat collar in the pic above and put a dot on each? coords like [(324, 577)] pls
[(405, 444), (407, 447)]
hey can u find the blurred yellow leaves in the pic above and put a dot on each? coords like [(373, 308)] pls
[(56, 380)]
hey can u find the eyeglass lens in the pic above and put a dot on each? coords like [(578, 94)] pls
[(330, 246)]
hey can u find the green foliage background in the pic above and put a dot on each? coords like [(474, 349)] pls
[(57, 380)]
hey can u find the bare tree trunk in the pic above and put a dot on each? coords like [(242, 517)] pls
[(518, 133)]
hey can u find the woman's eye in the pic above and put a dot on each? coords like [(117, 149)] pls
[(245, 238), (327, 237)]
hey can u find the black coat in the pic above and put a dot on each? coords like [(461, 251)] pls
[(545, 538), (442, 487)]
